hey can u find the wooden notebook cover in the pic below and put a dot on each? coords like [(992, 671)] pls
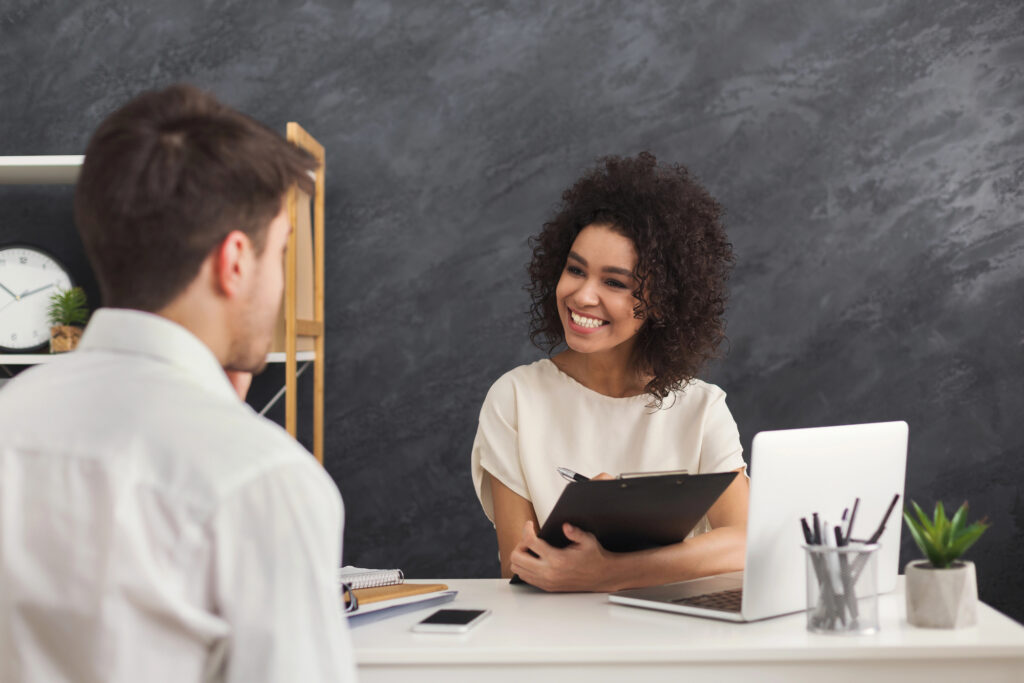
[(367, 595)]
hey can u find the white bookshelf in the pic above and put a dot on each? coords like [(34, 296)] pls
[(40, 170), (37, 358), (300, 356), (25, 358)]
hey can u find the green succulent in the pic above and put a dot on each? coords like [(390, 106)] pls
[(67, 307), (942, 540)]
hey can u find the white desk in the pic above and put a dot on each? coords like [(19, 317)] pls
[(534, 636)]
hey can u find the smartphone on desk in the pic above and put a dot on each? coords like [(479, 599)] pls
[(451, 621)]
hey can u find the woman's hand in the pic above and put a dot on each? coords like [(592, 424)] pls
[(581, 566)]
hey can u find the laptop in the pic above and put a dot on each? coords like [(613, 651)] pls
[(795, 473)]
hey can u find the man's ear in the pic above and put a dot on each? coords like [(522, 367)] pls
[(232, 260)]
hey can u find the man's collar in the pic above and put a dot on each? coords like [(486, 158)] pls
[(122, 330)]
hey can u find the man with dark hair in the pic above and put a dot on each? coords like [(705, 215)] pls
[(153, 526)]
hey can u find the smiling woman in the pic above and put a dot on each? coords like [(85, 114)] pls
[(595, 292), (630, 275)]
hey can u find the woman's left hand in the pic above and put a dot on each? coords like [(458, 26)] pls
[(583, 565)]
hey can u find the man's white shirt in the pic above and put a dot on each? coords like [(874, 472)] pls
[(154, 528)]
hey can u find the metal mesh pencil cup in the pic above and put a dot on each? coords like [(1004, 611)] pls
[(842, 588)]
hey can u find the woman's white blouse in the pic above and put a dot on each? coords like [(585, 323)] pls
[(536, 418)]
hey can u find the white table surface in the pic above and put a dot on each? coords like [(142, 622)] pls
[(536, 636)]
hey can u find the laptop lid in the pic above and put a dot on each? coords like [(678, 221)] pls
[(797, 472)]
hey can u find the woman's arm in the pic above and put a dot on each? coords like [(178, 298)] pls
[(586, 566), (511, 512)]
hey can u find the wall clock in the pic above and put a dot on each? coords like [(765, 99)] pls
[(28, 276)]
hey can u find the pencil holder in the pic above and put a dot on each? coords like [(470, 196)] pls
[(842, 588)]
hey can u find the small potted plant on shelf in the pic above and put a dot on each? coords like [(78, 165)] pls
[(942, 591), (67, 313)]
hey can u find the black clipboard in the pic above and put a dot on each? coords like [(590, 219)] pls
[(636, 513)]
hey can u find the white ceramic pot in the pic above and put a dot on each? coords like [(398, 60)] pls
[(942, 598)]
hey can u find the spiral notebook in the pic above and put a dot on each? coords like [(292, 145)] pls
[(357, 577), (384, 593)]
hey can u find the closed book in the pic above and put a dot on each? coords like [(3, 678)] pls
[(367, 596), (370, 604)]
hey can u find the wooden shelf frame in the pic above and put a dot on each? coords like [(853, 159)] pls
[(294, 327)]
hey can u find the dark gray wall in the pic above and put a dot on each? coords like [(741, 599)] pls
[(870, 156)]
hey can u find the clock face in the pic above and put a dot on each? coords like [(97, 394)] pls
[(28, 276)]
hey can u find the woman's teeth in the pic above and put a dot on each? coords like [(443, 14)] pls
[(586, 322)]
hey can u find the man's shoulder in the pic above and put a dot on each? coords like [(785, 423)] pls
[(246, 438), (229, 444), (197, 444)]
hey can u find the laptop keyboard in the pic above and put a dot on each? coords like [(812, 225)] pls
[(724, 601)]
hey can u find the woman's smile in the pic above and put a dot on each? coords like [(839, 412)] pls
[(584, 324)]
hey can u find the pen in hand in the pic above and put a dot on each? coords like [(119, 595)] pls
[(570, 475)]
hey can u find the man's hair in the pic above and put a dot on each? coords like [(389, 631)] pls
[(166, 178)]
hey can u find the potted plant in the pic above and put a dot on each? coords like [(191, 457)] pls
[(67, 314), (942, 591)]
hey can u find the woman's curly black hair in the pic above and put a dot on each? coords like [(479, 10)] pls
[(683, 263)]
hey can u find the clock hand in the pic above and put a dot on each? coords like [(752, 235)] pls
[(35, 291), (4, 287), (12, 301)]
